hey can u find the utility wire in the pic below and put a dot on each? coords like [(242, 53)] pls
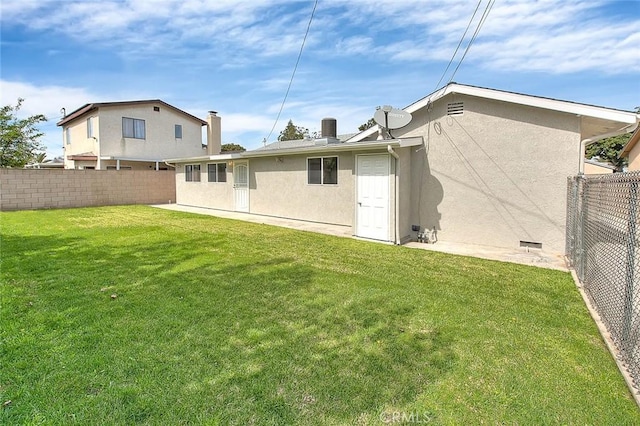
[(485, 14), (459, 44), (304, 40)]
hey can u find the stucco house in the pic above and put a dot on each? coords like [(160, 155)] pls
[(632, 150), (474, 165), (593, 167), (129, 135)]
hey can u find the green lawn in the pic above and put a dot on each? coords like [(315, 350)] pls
[(224, 322)]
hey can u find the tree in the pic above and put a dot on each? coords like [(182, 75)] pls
[(18, 137), (367, 125), (41, 157), (232, 147), (609, 149), (292, 132)]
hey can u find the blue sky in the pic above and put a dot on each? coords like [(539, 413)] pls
[(236, 57)]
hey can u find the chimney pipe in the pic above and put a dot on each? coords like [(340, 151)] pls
[(329, 128), (214, 133)]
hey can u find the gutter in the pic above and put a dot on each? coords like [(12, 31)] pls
[(588, 141), (315, 149), (396, 202)]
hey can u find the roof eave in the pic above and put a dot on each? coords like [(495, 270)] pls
[(203, 158), (357, 146), (632, 142), (338, 147), (623, 117), (90, 107)]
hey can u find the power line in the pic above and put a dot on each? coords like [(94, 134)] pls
[(304, 40), (485, 14), (459, 44)]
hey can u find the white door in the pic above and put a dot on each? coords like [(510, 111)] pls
[(372, 204), (241, 186)]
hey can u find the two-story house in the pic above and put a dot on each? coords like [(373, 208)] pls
[(129, 135)]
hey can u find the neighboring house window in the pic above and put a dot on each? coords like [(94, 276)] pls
[(67, 132), (217, 172), (178, 131), (322, 171), (89, 127), (133, 128), (192, 172)]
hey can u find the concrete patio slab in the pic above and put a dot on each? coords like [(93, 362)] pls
[(301, 225)]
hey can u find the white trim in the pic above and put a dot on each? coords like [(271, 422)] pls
[(516, 98), (146, 160), (320, 150)]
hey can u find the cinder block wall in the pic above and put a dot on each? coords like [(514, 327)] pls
[(25, 189)]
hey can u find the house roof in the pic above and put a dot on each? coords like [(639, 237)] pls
[(314, 146), (300, 143), (632, 142), (603, 120), (91, 107)]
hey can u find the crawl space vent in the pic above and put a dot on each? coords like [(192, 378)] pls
[(530, 244), (455, 108)]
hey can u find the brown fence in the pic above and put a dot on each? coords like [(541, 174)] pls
[(25, 189)]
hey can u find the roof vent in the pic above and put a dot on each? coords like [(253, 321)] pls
[(455, 108), (329, 128)]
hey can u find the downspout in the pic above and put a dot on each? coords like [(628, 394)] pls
[(396, 192), (585, 142), (170, 165)]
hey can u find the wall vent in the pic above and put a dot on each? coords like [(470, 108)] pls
[(530, 244), (455, 108), (156, 108)]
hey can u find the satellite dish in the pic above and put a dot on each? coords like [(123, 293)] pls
[(391, 118)]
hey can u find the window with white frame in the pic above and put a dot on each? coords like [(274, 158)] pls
[(217, 172), (133, 128), (192, 172), (322, 171), (178, 131), (67, 134), (89, 127)]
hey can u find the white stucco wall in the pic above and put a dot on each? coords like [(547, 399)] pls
[(80, 144), (160, 141), (495, 175), (280, 188), (215, 195)]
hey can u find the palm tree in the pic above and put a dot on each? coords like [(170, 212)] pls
[(40, 158)]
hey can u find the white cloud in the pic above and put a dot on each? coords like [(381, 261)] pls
[(354, 45), (47, 100), (238, 32)]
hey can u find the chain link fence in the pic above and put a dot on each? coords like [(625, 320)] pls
[(603, 246)]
